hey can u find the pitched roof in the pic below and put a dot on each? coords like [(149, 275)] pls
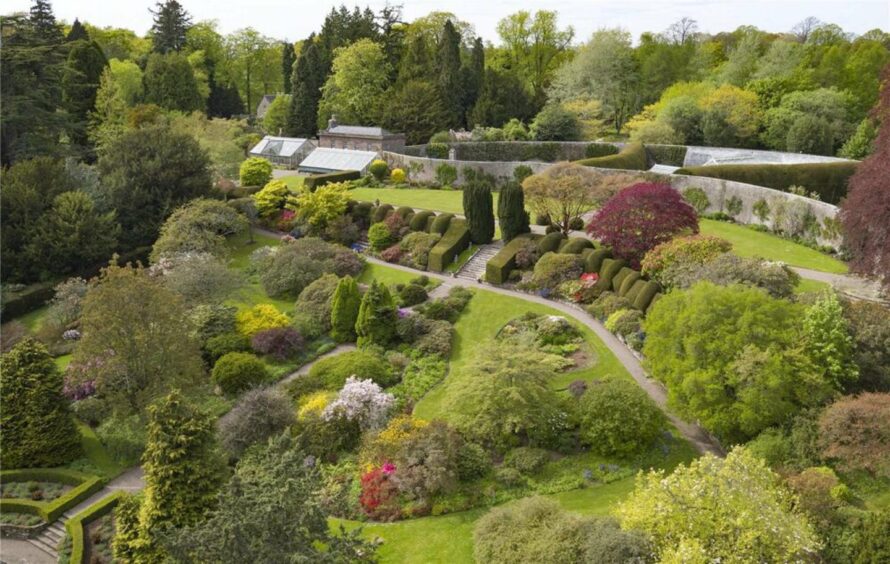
[(278, 146), (325, 159), (358, 131)]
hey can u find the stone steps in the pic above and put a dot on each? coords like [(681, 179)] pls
[(48, 540), (474, 269)]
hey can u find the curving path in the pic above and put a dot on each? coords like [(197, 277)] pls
[(693, 433)]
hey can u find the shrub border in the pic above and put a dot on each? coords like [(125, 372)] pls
[(76, 525)]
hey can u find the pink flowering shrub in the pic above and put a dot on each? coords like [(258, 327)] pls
[(641, 217)]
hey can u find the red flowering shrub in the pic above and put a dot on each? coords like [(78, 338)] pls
[(285, 221), (392, 254), (380, 495), (640, 217), (397, 225), (865, 210), (280, 343)]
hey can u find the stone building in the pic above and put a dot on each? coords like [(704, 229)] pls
[(359, 137)]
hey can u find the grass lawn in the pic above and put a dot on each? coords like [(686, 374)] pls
[(436, 200), (484, 316), (449, 538), (390, 276), (252, 293), (293, 182), (748, 243), (95, 453), (806, 286)]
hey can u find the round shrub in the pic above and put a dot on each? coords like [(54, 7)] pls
[(271, 198), (412, 294), (691, 250), (259, 318), (378, 168), (618, 418), (315, 301), (258, 415), (235, 372), (510, 477), (281, 343), (542, 219), (624, 322), (576, 224), (441, 223), (379, 236), (527, 460), (334, 370), (397, 175), (381, 212), (255, 171), (553, 269), (219, 345), (472, 462)]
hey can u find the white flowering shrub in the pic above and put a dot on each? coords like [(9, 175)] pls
[(362, 401)]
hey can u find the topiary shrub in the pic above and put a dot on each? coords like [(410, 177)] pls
[(378, 168), (550, 243), (380, 213), (552, 269), (236, 371), (574, 245), (452, 243), (281, 343), (440, 224), (593, 150), (255, 171), (593, 261), (405, 212), (420, 220), (334, 370), (618, 419), (412, 294), (498, 268)]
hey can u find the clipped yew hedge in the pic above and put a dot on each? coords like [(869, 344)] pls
[(317, 180), (452, 243), (632, 157), (76, 526), (380, 213), (421, 220), (575, 245), (84, 485), (593, 261), (673, 155), (441, 223), (550, 243), (829, 180), (499, 267)]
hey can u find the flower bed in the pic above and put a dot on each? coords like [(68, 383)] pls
[(82, 486), (77, 525)]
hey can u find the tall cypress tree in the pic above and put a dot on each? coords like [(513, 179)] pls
[(309, 77), (376, 322), (344, 310), (478, 210), (512, 217), (80, 81), (171, 22), (415, 63), (224, 100), (288, 56), (38, 429), (77, 32), (449, 72)]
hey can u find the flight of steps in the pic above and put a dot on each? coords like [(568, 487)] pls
[(361, 246), (48, 540), (474, 269)]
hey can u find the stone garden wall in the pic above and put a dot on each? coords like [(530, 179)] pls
[(423, 169)]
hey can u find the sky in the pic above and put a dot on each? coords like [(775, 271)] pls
[(296, 19)]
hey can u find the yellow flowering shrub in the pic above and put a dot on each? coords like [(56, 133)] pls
[(384, 445), (260, 318), (397, 175), (313, 404)]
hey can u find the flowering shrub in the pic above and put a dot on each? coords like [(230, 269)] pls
[(259, 318), (386, 444), (641, 217), (397, 175), (79, 379), (392, 254), (694, 249), (280, 343), (78, 390), (71, 335), (379, 497), (314, 404), (362, 401), (286, 221)]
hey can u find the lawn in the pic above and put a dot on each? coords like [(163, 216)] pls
[(293, 182), (436, 200), (391, 276), (748, 243), (484, 316), (252, 293), (449, 538)]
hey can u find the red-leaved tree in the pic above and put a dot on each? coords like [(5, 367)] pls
[(855, 431), (865, 212), (640, 217)]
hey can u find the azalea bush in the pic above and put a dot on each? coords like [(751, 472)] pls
[(380, 495), (641, 217), (281, 343)]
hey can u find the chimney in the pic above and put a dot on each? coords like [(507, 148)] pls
[(332, 123)]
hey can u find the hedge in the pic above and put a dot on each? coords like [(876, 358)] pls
[(76, 525), (85, 485), (31, 298), (829, 180), (313, 182), (498, 268), (575, 245), (441, 223), (452, 243), (645, 297), (673, 155), (628, 282), (405, 212), (619, 277), (504, 151), (595, 150), (550, 243), (380, 213), (420, 220), (632, 157), (634, 291), (594, 260)]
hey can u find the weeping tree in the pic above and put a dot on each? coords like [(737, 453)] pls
[(512, 216), (479, 211)]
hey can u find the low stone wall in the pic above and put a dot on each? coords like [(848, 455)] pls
[(423, 169)]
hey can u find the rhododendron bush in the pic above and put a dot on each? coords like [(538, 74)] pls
[(362, 401)]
